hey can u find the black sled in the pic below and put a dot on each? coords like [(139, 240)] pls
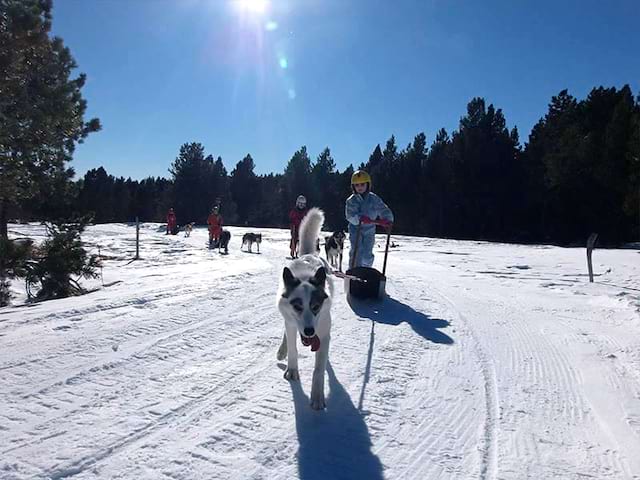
[(366, 282)]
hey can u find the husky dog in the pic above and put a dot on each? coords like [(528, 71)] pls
[(333, 247), (304, 300), (250, 239), (223, 242), (187, 229)]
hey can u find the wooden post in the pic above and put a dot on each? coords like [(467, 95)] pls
[(591, 242), (100, 257), (137, 239)]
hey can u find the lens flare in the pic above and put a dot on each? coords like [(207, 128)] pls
[(254, 6)]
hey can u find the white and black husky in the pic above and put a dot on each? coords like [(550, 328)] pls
[(304, 300), (333, 246)]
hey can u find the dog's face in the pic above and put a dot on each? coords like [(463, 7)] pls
[(339, 236), (258, 238), (304, 300)]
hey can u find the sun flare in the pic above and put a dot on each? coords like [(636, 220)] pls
[(254, 6)]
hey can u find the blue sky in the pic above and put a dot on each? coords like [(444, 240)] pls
[(346, 74)]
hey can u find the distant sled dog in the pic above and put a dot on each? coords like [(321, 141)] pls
[(333, 247), (304, 300), (188, 228), (250, 238), (223, 243)]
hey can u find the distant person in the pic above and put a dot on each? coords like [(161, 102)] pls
[(296, 214), (172, 224), (366, 210), (215, 226)]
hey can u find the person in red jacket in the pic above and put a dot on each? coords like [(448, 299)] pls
[(215, 226), (295, 218), (171, 222)]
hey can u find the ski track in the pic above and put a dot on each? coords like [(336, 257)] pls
[(545, 374), (478, 366)]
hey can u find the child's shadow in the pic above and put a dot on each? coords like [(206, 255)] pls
[(392, 312), (335, 443)]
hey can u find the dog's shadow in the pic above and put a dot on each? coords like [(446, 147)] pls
[(392, 312), (335, 443)]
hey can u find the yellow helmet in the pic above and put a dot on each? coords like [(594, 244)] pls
[(360, 176)]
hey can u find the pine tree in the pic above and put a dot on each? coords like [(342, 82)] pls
[(326, 192), (41, 109), (58, 260), (193, 183), (411, 188), (96, 195), (297, 177), (584, 150), (375, 159), (484, 167), (244, 189), (222, 189), (14, 256), (440, 186)]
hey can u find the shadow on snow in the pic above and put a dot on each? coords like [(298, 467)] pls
[(334, 443)]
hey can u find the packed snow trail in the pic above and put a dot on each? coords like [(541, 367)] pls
[(488, 361)]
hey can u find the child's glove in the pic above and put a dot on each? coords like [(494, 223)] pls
[(366, 220)]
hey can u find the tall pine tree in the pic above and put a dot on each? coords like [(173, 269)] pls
[(41, 107)]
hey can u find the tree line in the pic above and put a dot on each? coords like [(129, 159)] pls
[(578, 173)]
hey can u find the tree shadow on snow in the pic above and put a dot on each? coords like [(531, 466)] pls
[(335, 443), (392, 312)]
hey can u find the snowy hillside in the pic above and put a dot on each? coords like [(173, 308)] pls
[(488, 361)]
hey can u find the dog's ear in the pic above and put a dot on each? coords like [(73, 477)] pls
[(319, 278), (290, 282)]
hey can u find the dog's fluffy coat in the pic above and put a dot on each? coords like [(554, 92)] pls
[(304, 300), (223, 243), (250, 238), (333, 247)]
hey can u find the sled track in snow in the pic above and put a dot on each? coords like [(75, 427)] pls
[(489, 465), (419, 395), (538, 371), (162, 328), (190, 341), (180, 417)]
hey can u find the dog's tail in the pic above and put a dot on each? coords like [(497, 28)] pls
[(309, 230)]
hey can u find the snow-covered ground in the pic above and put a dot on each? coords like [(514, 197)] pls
[(487, 361)]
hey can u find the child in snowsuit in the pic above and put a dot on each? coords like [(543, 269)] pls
[(366, 209), (171, 222), (295, 218), (215, 227)]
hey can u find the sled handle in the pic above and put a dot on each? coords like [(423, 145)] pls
[(386, 250)]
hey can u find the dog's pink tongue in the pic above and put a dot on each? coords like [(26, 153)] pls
[(313, 341)]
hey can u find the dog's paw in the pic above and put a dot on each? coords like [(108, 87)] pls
[(317, 401), (292, 374)]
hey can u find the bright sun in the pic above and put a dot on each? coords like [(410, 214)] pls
[(253, 6)]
